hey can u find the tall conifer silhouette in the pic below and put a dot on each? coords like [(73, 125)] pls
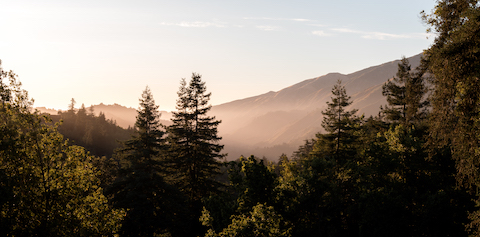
[(193, 141), (140, 186)]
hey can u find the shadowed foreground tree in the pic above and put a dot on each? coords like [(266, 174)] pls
[(454, 62), (330, 173), (193, 146), (255, 211), (405, 93), (387, 186), (152, 204), (261, 221), (339, 125)]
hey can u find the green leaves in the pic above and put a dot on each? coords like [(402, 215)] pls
[(453, 60), (51, 187), (262, 220), (58, 185)]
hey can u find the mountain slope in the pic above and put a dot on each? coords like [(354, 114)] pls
[(278, 122), (293, 114)]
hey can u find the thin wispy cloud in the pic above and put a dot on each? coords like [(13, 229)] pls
[(204, 24), (317, 25), (374, 35), (380, 35), (264, 27), (267, 27), (278, 19), (258, 18), (346, 30), (197, 24), (384, 36), (301, 20), (321, 33)]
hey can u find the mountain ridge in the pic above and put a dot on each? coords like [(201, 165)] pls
[(278, 122), (251, 121)]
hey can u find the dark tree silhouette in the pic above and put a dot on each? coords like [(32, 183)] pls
[(140, 187)]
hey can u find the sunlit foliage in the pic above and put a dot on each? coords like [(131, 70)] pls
[(49, 188)]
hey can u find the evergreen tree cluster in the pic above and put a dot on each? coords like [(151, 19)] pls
[(97, 134), (166, 172), (362, 177)]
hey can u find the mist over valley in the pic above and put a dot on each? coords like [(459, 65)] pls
[(276, 123)]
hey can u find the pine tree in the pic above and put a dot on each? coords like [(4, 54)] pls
[(146, 145), (328, 174), (193, 148), (405, 94), (304, 150), (71, 106), (339, 124), (193, 141), (140, 187)]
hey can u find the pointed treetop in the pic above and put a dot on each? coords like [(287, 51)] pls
[(71, 106), (147, 113)]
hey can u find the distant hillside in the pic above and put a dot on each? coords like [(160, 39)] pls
[(284, 119), (44, 110), (123, 116), (278, 122)]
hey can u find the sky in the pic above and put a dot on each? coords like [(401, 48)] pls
[(103, 51)]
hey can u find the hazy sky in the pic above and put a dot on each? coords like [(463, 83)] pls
[(108, 51)]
